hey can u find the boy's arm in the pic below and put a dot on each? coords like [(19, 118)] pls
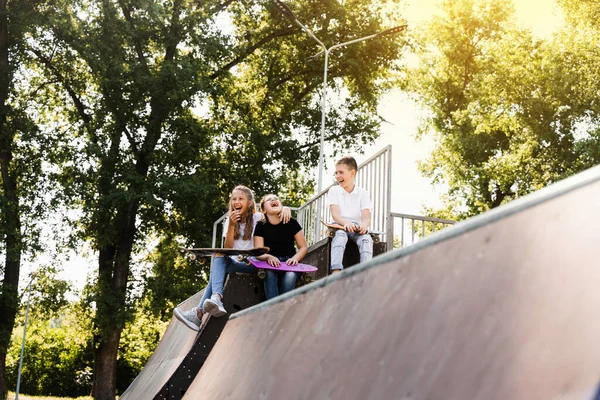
[(365, 221), (336, 214), (302, 249)]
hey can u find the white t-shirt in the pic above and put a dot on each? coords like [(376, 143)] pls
[(351, 204), (240, 243)]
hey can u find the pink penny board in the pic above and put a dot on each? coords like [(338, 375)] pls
[(283, 266)]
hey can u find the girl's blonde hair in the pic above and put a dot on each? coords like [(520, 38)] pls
[(262, 205), (249, 217)]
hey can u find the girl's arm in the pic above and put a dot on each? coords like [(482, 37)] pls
[(232, 220), (302, 249), (229, 236), (285, 214), (259, 241)]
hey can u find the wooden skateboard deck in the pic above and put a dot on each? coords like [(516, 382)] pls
[(203, 252), (335, 227)]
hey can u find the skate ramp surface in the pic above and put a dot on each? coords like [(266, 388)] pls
[(503, 306), (172, 349)]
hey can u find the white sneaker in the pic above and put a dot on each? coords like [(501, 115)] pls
[(190, 318), (214, 306)]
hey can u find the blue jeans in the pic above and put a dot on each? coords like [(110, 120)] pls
[(338, 245), (219, 268), (279, 282)]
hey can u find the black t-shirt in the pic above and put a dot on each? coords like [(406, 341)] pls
[(279, 238)]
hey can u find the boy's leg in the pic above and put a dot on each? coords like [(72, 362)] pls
[(288, 281), (271, 287), (365, 246), (338, 245)]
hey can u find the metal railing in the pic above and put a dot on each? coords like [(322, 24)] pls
[(374, 175), (408, 229)]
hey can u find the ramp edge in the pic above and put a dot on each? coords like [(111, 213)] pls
[(550, 192)]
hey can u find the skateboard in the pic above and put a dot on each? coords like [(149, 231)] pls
[(335, 227), (242, 255), (301, 268)]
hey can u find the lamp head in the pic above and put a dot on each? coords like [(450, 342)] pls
[(393, 31), (283, 8)]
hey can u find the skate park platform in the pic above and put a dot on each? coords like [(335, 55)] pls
[(181, 353), (502, 306)]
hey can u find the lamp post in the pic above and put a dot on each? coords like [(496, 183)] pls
[(28, 290), (284, 9)]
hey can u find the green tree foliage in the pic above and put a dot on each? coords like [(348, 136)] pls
[(581, 12), (140, 338), (23, 184), (163, 111), (506, 107), (58, 352), (171, 279), (57, 355)]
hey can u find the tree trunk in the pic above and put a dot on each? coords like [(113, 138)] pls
[(114, 267), (105, 366), (11, 229), (9, 299)]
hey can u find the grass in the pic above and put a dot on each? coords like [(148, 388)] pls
[(11, 396)]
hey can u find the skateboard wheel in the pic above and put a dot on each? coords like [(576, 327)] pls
[(247, 261), (376, 239), (262, 274), (192, 257), (307, 278), (202, 261), (331, 233), (240, 258)]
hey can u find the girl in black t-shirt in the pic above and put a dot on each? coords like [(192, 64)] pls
[(280, 238)]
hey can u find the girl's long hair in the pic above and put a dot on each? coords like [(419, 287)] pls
[(249, 217), (262, 205)]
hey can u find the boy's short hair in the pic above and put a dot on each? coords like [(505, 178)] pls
[(348, 161)]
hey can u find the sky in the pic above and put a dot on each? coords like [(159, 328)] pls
[(410, 191)]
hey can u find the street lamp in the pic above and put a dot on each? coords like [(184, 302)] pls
[(28, 290), (285, 10)]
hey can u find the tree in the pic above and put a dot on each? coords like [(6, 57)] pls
[(127, 76), (22, 183), (505, 106), (57, 349)]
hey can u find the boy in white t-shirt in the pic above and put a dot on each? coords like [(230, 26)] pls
[(350, 207)]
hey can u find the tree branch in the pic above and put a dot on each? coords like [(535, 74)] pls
[(81, 108), (249, 50), (138, 46), (221, 7)]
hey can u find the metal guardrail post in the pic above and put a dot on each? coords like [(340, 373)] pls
[(389, 229)]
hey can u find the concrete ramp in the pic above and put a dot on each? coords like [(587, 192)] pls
[(169, 354), (503, 306)]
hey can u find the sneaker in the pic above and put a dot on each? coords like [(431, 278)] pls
[(190, 318), (214, 306)]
